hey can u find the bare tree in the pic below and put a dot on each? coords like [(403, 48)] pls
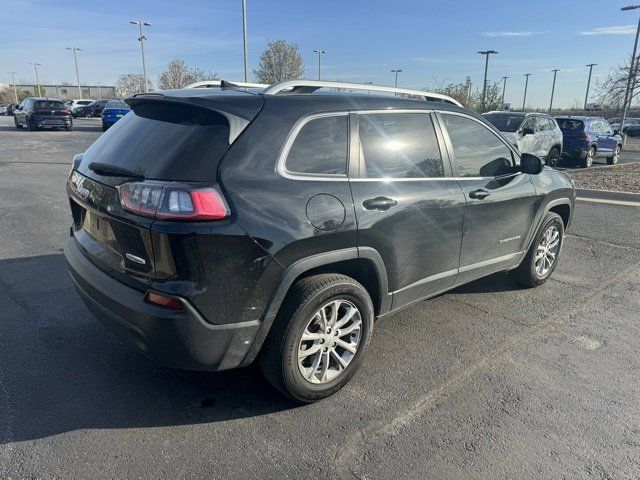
[(130, 83), (280, 61), (460, 92), (179, 75), (611, 90)]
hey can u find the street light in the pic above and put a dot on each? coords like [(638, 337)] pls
[(631, 69), (396, 71), (504, 89), (75, 59), (99, 91), (320, 53), (141, 39), (486, 67), (553, 88), (35, 67), (526, 84), (13, 80), (586, 97), (244, 36)]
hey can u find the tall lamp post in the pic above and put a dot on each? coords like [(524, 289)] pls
[(526, 84), (553, 88), (320, 52), (35, 67), (75, 59), (141, 39), (13, 80), (586, 97), (627, 100), (504, 89), (244, 37), (486, 53), (396, 71)]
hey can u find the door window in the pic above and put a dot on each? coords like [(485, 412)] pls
[(529, 122), (320, 147), (399, 145), (477, 150)]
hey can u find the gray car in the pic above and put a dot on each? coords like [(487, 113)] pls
[(535, 133)]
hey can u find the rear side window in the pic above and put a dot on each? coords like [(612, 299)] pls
[(570, 125), (399, 145), (320, 147), (164, 142), (478, 152)]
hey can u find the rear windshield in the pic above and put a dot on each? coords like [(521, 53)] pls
[(49, 104), (570, 124), (163, 142), (116, 104), (504, 122)]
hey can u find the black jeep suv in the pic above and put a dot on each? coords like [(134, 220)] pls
[(215, 227)]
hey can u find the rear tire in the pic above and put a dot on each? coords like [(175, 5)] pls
[(542, 257), (31, 127), (587, 161), (88, 114), (616, 156), (308, 320), (553, 157)]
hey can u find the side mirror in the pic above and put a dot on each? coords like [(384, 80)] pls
[(527, 131), (616, 132), (530, 164)]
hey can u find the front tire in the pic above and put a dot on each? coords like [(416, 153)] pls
[(319, 337), (542, 258), (18, 125), (88, 114), (616, 156), (553, 157), (587, 161)]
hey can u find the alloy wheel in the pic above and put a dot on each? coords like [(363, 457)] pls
[(329, 341), (547, 251), (590, 155)]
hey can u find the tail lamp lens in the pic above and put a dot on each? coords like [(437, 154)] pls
[(163, 301), (173, 201)]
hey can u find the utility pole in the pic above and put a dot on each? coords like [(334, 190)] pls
[(631, 71), (504, 89), (13, 80), (75, 59), (35, 67), (526, 84), (586, 97), (486, 53), (320, 53), (244, 37), (553, 88), (396, 71), (99, 91), (141, 39)]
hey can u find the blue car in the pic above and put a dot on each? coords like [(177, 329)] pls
[(588, 138), (113, 111)]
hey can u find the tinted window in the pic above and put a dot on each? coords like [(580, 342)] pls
[(49, 104), (116, 104), (478, 152), (399, 145), (570, 124), (321, 147), (505, 122), (546, 124), (163, 142)]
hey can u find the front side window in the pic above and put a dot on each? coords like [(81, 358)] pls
[(529, 123), (320, 147), (399, 145), (477, 150)]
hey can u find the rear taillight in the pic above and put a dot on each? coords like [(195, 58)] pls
[(163, 301), (173, 201), (65, 111)]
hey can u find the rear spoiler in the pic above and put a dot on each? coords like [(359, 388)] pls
[(238, 110)]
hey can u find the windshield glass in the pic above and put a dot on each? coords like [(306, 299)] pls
[(505, 122)]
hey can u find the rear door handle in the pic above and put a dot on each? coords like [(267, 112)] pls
[(479, 194), (379, 203)]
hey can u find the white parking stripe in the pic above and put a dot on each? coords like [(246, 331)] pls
[(610, 202)]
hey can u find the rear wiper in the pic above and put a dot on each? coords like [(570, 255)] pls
[(112, 171)]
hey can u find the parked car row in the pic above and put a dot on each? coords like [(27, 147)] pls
[(7, 108), (576, 138)]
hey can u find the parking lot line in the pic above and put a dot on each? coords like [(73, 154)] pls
[(610, 202)]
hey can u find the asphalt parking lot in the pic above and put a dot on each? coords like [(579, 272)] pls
[(489, 381)]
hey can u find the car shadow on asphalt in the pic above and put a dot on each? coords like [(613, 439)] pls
[(60, 370)]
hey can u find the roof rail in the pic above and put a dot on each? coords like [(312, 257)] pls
[(310, 86), (225, 84)]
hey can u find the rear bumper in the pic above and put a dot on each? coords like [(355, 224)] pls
[(175, 338), (50, 121)]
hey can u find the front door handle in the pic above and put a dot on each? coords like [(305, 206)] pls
[(479, 194), (379, 203)]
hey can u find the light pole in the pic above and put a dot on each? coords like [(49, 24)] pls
[(586, 97), (631, 70), (320, 52), (526, 84), (35, 67), (142, 38), (99, 91), (75, 59), (244, 37), (13, 80), (396, 71), (504, 89), (486, 53), (469, 94), (553, 88)]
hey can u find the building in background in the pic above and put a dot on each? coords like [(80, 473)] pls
[(67, 92)]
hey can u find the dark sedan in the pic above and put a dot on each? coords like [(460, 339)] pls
[(94, 109), (35, 113)]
